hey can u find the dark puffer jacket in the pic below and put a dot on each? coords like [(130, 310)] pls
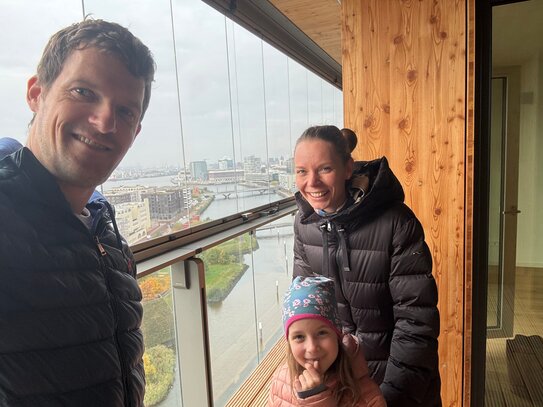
[(387, 297), (70, 307)]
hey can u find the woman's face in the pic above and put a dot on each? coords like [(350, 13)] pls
[(321, 174)]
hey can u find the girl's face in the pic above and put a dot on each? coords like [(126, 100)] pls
[(312, 340), (321, 174)]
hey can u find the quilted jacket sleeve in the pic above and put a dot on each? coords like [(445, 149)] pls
[(413, 361)]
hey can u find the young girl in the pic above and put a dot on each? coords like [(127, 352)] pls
[(324, 368)]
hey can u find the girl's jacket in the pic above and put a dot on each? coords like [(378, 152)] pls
[(282, 395)]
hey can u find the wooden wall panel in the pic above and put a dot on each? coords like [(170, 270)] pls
[(404, 85), (319, 19)]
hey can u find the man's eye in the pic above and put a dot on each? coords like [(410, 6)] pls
[(129, 114), (300, 172), (82, 92), (325, 170)]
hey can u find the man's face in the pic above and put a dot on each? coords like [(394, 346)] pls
[(87, 119)]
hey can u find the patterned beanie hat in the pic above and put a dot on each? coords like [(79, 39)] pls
[(311, 297)]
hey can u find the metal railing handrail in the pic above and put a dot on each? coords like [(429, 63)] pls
[(165, 251)]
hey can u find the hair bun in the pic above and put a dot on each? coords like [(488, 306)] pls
[(350, 138)]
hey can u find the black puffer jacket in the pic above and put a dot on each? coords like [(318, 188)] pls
[(375, 249), (69, 314)]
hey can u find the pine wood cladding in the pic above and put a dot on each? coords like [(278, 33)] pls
[(404, 86), (318, 19)]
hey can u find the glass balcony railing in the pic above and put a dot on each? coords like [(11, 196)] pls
[(212, 306)]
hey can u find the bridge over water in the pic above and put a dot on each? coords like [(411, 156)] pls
[(247, 192)]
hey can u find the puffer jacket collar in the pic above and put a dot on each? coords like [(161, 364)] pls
[(43, 182), (373, 186), (46, 187)]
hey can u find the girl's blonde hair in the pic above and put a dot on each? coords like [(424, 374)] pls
[(347, 387)]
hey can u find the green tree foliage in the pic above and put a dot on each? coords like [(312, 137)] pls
[(159, 362), (157, 325)]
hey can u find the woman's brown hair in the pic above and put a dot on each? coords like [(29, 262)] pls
[(343, 141)]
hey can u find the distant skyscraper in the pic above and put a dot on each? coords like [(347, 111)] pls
[(198, 169), (252, 165), (226, 163)]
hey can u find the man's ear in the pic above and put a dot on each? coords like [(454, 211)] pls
[(33, 92)]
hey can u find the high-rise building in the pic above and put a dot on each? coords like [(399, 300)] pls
[(166, 204), (198, 170), (226, 163)]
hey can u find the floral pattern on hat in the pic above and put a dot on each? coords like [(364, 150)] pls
[(311, 297)]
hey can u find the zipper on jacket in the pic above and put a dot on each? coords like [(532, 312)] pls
[(100, 247), (122, 362)]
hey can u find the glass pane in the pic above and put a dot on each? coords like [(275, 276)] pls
[(160, 360), (219, 133), (495, 206), (148, 204), (231, 314), (273, 274), (245, 281)]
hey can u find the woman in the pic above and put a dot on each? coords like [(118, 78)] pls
[(353, 227)]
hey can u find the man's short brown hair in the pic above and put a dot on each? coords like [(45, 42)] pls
[(105, 36)]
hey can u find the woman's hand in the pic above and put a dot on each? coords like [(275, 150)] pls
[(310, 378)]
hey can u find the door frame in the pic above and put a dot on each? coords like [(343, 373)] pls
[(476, 300), (508, 205)]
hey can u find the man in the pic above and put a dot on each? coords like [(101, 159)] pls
[(70, 306)]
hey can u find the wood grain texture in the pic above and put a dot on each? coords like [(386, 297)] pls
[(404, 87), (319, 19)]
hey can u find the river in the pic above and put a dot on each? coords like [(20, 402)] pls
[(219, 208)]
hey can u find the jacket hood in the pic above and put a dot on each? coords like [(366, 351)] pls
[(8, 146), (372, 187)]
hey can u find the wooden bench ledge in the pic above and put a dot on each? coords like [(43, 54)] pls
[(255, 390)]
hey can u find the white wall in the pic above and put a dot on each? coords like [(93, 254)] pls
[(530, 200)]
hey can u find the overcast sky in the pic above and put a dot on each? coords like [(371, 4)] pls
[(258, 81)]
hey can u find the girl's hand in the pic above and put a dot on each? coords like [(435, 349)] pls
[(310, 378)]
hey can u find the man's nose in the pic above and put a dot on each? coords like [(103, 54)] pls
[(104, 119)]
